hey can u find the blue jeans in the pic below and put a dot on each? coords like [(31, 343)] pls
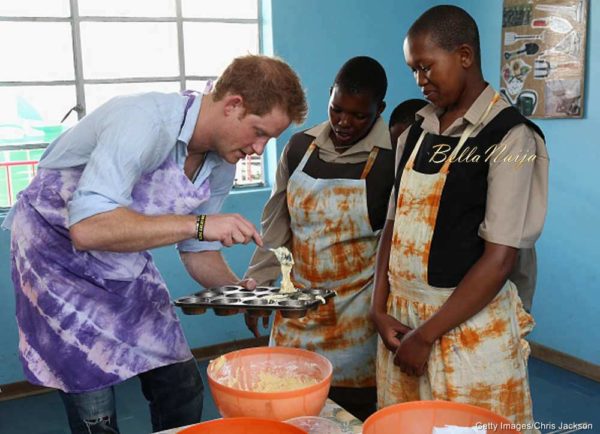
[(174, 394)]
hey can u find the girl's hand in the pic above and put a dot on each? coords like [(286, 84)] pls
[(413, 353), (390, 330), (251, 320), (252, 323)]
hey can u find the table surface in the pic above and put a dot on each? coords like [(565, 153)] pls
[(347, 422)]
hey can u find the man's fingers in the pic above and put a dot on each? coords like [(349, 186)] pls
[(248, 284), (238, 236), (241, 230), (230, 229), (258, 239), (244, 225), (250, 233)]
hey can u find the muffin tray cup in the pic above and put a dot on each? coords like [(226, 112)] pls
[(233, 299)]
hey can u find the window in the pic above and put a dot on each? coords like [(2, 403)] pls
[(64, 58)]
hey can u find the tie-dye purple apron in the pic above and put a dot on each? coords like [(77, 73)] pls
[(88, 320)]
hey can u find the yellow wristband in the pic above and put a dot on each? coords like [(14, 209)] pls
[(200, 221)]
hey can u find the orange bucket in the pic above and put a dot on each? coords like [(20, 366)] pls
[(420, 417), (233, 377), (242, 425)]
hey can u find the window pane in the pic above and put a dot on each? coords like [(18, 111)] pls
[(118, 50), (197, 85), (209, 47), (97, 94), (220, 8), (17, 169), (127, 8), (36, 51), (32, 114), (35, 8), (29, 115), (249, 171)]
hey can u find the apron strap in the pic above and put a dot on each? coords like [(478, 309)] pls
[(368, 165), (467, 133), (411, 160), (306, 156), (463, 138), (370, 162)]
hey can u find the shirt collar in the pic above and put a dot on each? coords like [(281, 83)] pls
[(480, 105), (430, 114), (185, 135), (379, 136)]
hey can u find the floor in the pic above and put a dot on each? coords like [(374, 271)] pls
[(559, 397)]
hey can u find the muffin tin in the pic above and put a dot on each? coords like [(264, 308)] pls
[(229, 300)]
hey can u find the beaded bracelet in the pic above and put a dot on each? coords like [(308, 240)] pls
[(200, 221)]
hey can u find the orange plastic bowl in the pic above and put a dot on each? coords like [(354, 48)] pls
[(242, 425), (245, 366), (420, 417)]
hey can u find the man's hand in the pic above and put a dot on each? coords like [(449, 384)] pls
[(390, 330), (413, 353), (230, 229), (247, 283)]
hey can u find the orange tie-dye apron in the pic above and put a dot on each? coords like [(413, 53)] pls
[(334, 247), (483, 361)]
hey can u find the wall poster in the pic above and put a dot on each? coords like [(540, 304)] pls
[(543, 56)]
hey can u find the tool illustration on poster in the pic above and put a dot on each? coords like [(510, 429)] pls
[(556, 24), (574, 12), (528, 49), (543, 56), (514, 75), (512, 37), (543, 68), (525, 102)]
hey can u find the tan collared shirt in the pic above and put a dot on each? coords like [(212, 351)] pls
[(276, 231)]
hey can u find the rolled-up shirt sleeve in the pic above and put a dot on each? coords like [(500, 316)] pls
[(517, 195), (276, 230), (129, 143), (221, 181)]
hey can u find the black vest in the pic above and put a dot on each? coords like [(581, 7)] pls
[(455, 245)]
